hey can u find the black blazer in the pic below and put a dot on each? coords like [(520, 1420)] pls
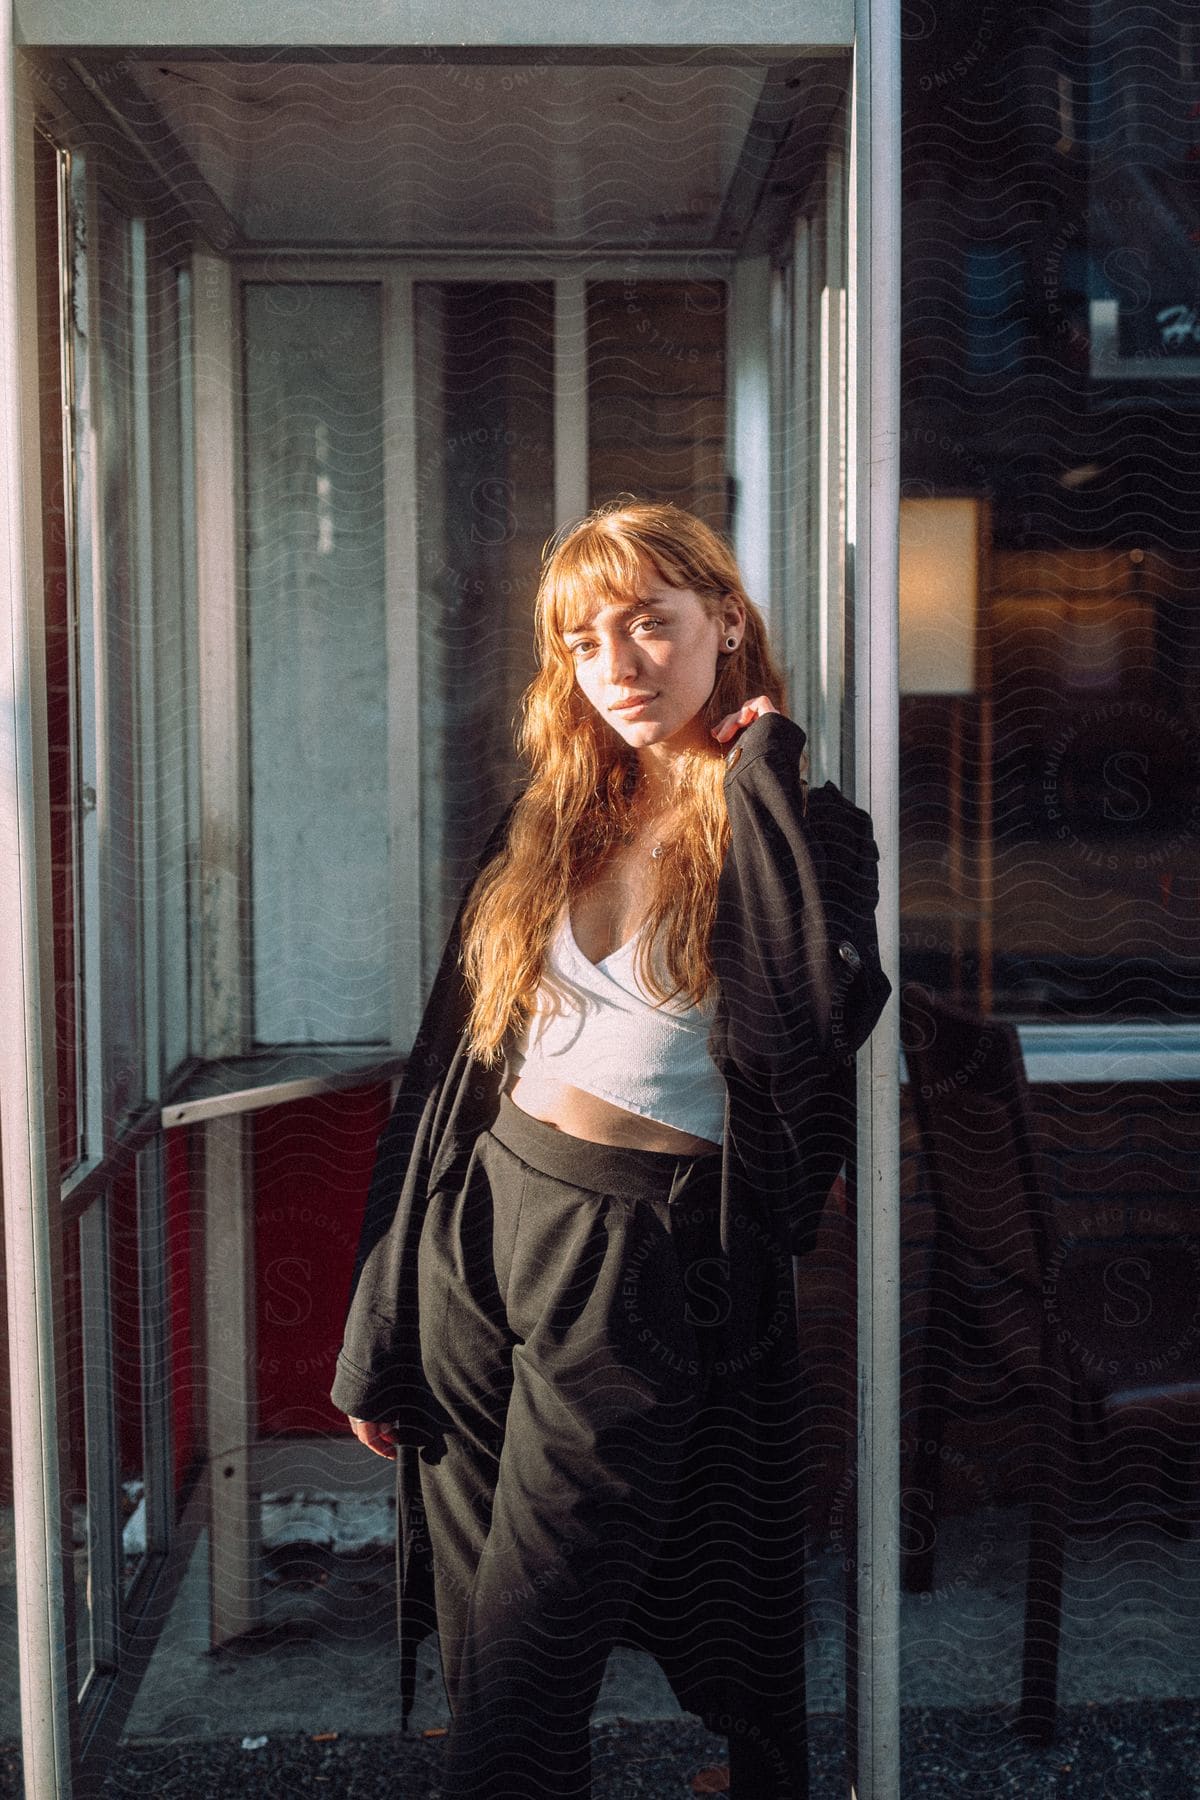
[(800, 987)]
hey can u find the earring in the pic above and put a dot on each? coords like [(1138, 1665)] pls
[(731, 643)]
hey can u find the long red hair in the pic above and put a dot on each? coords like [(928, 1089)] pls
[(578, 801)]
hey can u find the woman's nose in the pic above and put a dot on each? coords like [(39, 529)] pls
[(619, 659)]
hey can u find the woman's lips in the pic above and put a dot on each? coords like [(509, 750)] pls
[(632, 706)]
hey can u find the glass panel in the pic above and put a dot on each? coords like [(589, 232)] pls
[(148, 1528), (656, 393), (1095, 779), (318, 662), (124, 1300), (120, 888), (104, 1511), (1053, 871), (74, 1470), (185, 1302), (485, 507), (1050, 866)]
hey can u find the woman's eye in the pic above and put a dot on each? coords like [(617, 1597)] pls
[(587, 644)]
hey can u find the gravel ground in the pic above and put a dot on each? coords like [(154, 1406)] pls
[(1134, 1751)]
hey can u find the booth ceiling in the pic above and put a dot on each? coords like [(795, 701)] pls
[(474, 156)]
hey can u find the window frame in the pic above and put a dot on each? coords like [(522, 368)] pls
[(222, 558)]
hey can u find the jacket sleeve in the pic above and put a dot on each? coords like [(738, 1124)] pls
[(378, 1363), (796, 950), (795, 945)]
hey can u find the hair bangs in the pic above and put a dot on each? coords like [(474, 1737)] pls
[(597, 568)]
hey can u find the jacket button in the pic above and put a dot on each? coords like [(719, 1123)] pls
[(849, 955), (731, 756)]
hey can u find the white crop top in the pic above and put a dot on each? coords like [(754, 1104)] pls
[(611, 1038)]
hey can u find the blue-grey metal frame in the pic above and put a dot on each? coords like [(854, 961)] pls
[(28, 1079), (55, 1732), (873, 585)]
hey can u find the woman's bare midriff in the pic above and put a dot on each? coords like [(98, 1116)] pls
[(597, 1121)]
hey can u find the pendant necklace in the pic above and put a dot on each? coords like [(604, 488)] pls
[(629, 835)]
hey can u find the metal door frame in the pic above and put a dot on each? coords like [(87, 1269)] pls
[(28, 1121)]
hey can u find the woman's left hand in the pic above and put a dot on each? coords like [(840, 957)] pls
[(738, 721)]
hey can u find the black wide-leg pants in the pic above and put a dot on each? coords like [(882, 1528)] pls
[(565, 1301)]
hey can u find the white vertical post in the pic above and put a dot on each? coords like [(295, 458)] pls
[(83, 234), (28, 1081), (141, 278), (234, 1523), (873, 471), (829, 321), (406, 518), (791, 390), (216, 344), (785, 413), (748, 358), (189, 576)]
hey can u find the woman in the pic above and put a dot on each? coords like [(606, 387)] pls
[(629, 1097)]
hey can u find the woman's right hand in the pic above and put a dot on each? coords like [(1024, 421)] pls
[(746, 715), (375, 1436)]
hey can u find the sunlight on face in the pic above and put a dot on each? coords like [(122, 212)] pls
[(661, 653)]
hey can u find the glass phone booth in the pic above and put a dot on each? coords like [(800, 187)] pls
[(315, 342)]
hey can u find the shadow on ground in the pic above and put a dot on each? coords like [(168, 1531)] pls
[(1133, 1751)]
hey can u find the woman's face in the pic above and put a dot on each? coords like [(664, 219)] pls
[(663, 646)]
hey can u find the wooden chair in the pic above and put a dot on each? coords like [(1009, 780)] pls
[(1006, 1298)]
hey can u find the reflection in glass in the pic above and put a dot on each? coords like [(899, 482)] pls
[(1052, 822), (1065, 861), (1053, 1389), (656, 393)]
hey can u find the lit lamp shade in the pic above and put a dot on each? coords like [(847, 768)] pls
[(939, 594)]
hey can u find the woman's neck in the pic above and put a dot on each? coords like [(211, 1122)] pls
[(659, 780), (654, 791)]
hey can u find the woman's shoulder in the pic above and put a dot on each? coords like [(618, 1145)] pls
[(772, 738), (773, 746), (829, 800)]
